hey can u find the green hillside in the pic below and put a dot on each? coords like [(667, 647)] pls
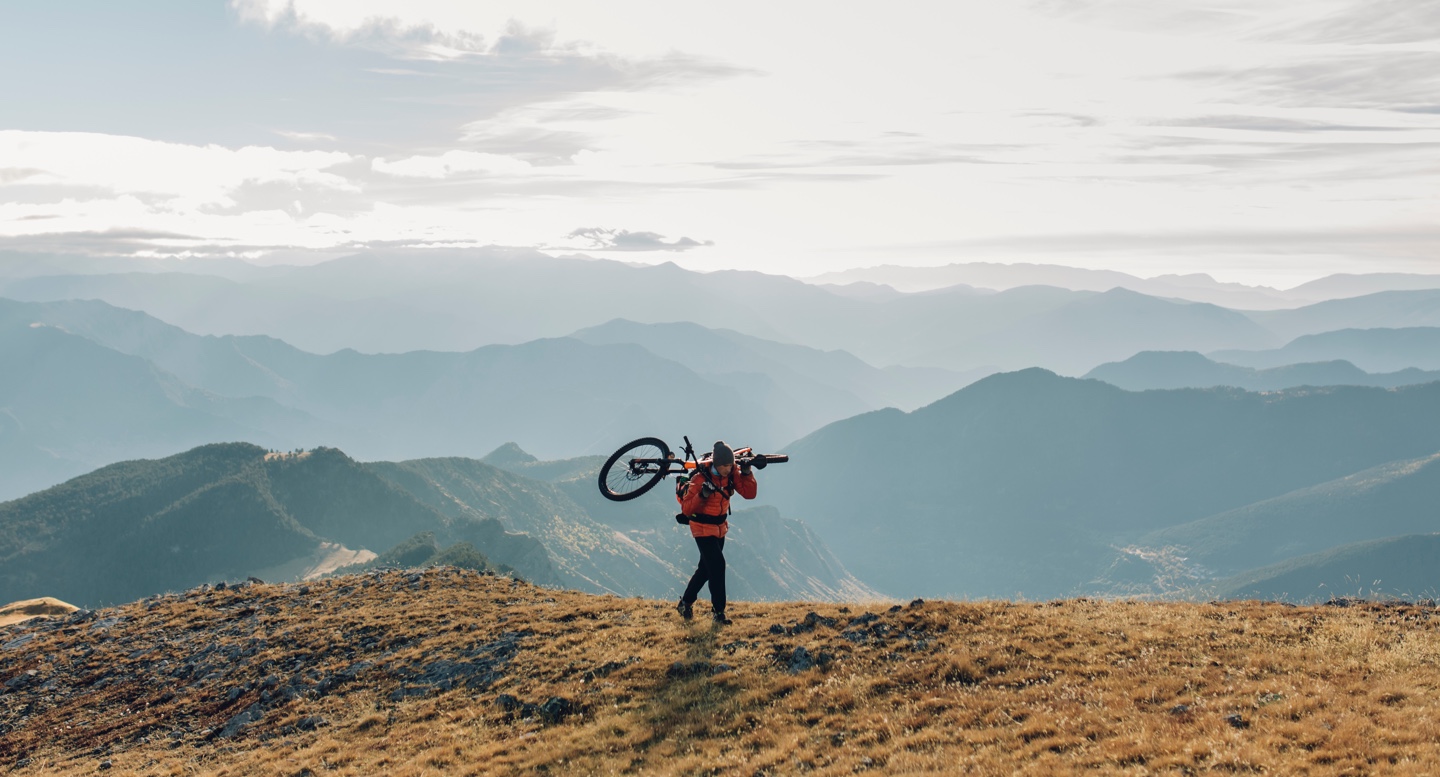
[(1021, 483), (217, 512), (632, 547)]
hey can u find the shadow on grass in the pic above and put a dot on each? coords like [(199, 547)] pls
[(697, 698)]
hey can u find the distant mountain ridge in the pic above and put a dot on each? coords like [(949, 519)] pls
[(179, 390), (68, 404), (837, 381), (1375, 350), (1188, 369), (1196, 287), (399, 302), (1391, 499), (227, 511), (216, 512), (1021, 483)]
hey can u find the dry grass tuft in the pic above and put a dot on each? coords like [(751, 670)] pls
[(44, 607), (450, 672)]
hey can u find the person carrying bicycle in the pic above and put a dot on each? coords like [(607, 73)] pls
[(706, 501)]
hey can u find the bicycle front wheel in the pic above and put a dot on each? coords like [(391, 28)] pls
[(634, 469)]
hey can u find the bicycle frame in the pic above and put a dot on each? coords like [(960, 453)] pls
[(623, 478)]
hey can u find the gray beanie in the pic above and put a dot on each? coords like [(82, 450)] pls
[(723, 454)]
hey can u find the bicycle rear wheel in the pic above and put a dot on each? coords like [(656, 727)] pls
[(634, 469)]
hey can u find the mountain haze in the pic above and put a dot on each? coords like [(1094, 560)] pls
[(822, 383), (217, 512), (1392, 499), (1383, 310), (1020, 483), (1375, 350), (68, 405), (458, 301), (1390, 568), (227, 511), (1187, 369)]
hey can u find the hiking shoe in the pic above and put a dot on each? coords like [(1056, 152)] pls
[(721, 620), (685, 610)]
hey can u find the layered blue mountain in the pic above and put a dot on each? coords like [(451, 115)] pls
[(400, 302), (1392, 499), (1188, 369), (68, 405), (1375, 350), (805, 381), (85, 404), (1023, 483), (1382, 310)]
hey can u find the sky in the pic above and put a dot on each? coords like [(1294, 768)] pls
[(1259, 141)]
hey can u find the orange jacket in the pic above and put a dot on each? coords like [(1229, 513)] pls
[(716, 506)]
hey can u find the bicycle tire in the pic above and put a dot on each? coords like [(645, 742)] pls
[(620, 481)]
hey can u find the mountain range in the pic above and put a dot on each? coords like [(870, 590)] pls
[(1393, 568), (1389, 500), (401, 302), (1375, 350), (1188, 369), (228, 511), (1024, 483), (104, 384)]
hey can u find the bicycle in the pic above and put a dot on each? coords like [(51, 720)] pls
[(639, 465)]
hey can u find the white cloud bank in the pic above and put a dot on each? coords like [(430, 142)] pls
[(810, 136)]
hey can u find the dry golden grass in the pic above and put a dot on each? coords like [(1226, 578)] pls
[(1113, 687), (44, 607)]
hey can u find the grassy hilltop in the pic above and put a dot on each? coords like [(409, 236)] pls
[(455, 672)]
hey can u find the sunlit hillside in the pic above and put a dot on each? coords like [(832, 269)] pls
[(456, 672)]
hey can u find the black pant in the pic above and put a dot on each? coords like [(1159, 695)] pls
[(711, 570)]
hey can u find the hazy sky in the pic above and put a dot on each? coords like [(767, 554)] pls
[(1262, 141)]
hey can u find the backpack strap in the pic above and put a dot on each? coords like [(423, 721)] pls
[(728, 488)]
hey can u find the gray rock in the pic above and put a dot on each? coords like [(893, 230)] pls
[(244, 718), (556, 709), (311, 722), (20, 641), (800, 660)]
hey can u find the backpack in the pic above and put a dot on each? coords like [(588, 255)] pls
[(681, 481)]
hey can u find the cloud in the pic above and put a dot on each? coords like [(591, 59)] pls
[(110, 242), (1271, 124), (601, 239), (452, 163), (1392, 80), (1372, 22), (130, 165), (1406, 241)]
